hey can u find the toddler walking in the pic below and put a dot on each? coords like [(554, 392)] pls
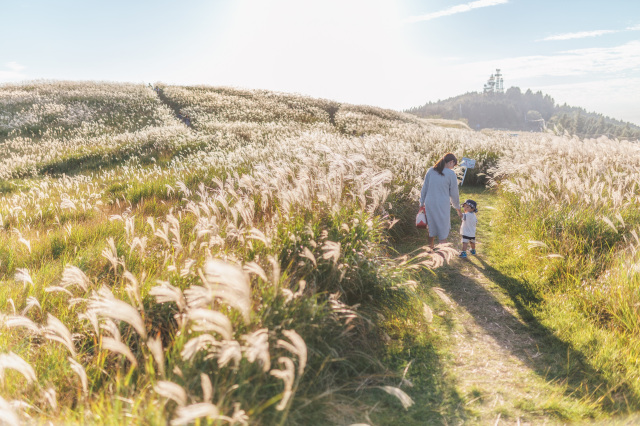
[(468, 227)]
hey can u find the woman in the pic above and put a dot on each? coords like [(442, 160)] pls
[(439, 192)]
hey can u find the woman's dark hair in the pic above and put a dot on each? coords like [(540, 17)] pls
[(439, 166)]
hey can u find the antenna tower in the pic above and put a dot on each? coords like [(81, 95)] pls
[(499, 82)]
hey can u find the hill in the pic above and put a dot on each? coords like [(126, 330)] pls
[(514, 110), (257, 263)]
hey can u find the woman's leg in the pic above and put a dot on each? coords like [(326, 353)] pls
[(432, 242)]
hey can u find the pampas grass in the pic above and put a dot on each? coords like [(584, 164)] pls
[(18, 364)]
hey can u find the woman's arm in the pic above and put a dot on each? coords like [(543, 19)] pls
[(454, 195), (425, 188)]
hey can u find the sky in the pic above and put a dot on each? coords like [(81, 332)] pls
[(392, 54)]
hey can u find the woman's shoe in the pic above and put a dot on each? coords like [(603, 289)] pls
[(473, 251), (463, 255)]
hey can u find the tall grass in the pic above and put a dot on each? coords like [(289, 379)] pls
[(238, 269)]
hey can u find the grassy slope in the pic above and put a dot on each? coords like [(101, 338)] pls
[(573, 374)]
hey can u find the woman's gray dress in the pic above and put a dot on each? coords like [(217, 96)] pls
[(439, 193)]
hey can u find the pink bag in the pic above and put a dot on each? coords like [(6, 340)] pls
[(421, 218)]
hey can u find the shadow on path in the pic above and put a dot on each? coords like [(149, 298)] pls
[(528, 340)]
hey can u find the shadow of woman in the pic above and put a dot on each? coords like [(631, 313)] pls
[(533, 343)]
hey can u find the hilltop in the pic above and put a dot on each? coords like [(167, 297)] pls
[(514, 110)]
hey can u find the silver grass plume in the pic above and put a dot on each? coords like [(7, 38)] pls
[(22, 321), (110, 327), (309, 255), (257, 348), (229, 283), (57, 331), (55, 288), (118, 310), (290, 295), (331, 251), (198, 297), (207, 388), (256, 269), (51, 398), (7, 413), (197, 344), (22, 274), (297, 347), (209, 320), (118, 347), (14, 362), (111, 254), (31, 303), (187, 415), (229, 351), (287, 375), (93, 320), (165, 292), (155, 347), (171, 391), (82, 374), (133, 289), (73, 275), (275, 267), (405, 399)]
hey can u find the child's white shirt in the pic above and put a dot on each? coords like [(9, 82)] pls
[(469, 222)]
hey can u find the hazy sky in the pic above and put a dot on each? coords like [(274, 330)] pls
[(393, 54)]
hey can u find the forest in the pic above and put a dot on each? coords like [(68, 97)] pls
[(515, 110)]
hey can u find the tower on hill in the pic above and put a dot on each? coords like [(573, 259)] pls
[(495, 83)]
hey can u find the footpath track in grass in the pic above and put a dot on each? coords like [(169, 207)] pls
[(506, 367)]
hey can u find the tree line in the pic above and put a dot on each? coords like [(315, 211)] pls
[(529, 111)]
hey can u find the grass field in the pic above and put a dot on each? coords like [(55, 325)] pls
[(260, 265)]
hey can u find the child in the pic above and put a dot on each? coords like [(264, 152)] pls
[(468, 227)]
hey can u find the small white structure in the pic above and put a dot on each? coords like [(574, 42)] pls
[(467, 163)]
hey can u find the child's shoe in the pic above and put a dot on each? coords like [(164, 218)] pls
[(463, 255), (473, 252)]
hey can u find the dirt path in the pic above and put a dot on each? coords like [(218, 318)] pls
[(493, 350), (507, 367)]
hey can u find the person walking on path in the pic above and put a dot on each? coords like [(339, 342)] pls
[(439, 193), (468, 227)]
